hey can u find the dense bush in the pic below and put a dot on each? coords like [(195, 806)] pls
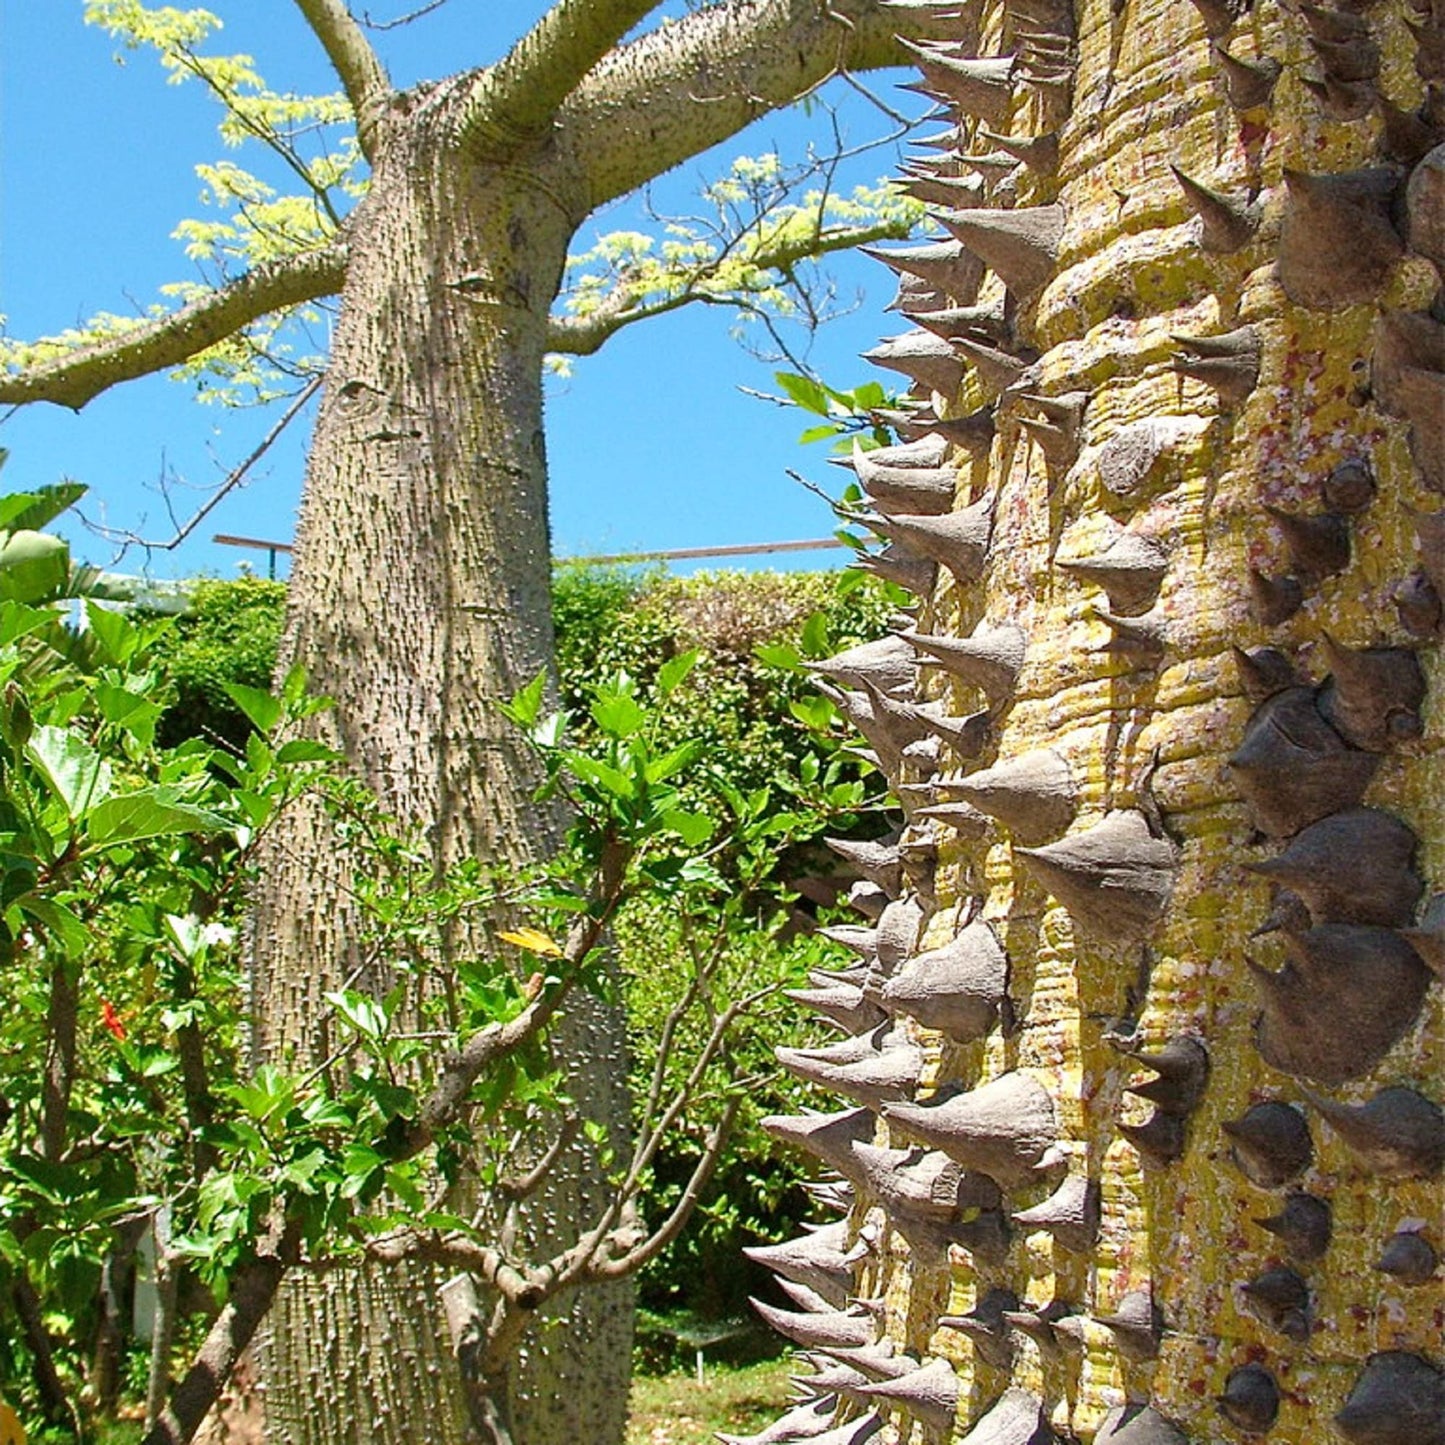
[(229, 636), (753, 718)]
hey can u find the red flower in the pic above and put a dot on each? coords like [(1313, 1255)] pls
[(111, 1019)]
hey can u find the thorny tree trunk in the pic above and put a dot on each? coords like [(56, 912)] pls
[(427, 488), (1205, 417)]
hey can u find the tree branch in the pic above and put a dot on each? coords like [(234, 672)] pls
[(644, 1253), (676, 91), (575, 1263), (489, 1265), (463, 1068), (583, 335), (253, 1288), (77, 377), (525, 1185), (51, 1388), (233, 479), (361, 73), (515, 99)]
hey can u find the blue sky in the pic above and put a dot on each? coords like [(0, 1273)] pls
[(652, 445)]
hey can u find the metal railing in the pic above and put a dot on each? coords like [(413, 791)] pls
[(678, 554)]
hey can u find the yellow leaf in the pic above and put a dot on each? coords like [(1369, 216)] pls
[(533, 941), (11, 1432)]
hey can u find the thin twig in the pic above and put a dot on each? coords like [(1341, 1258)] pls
[(231, 482), (422, 10)]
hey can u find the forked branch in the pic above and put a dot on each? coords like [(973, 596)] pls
[(515, 99), (583, 335), (356, 64)]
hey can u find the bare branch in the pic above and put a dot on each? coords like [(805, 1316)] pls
[(676, 91), (666, 1036), (418, 13), (150, 346), (575, 1263), (652, 1140), (362, 74), (635, 1258), (525, 1185), (515, 99), (582, 335), (233, 479), (31, 1316), (163, 1325)]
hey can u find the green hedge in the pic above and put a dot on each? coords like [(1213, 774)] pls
[(230, 635)]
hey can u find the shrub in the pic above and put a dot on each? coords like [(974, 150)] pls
[(751, 718), (230, 635)]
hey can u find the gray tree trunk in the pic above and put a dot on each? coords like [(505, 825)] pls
[(419, 600)]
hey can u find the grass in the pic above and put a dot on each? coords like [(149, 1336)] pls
[(669, 1409), (674, 1410)]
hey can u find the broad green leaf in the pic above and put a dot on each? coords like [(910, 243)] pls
[(671, 763), (34, 566), (438, 1219), (128, 710), (816, 713), (160, 811), (361, 1011), (59, 922), (112, 629), (322, 1112), (28, 510), (603, 775), (826, 432), (17, 877), (360, 1164), (17, 621), (814, 637), (156, 1063), (267, 1092), (693, 828), (526, 706), (261, 708), (674, 671), (810, 395), (301, 1170), (618, 713), (293, 690), (779, 654), (401, 1181), (72, 769), (306, 750)]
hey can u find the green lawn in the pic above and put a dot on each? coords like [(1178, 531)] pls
[(674, 1410), (667, 1409)]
